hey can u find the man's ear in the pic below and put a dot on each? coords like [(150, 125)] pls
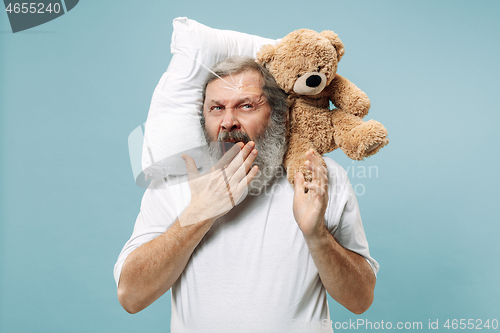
[(336, 42), (266, 55)]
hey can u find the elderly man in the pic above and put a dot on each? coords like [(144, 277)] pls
[(256, 262)]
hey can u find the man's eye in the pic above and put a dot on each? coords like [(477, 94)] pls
[(247, 106), (216, 108)]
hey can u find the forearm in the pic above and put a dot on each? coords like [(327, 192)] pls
[(346, 275), (151, 269)]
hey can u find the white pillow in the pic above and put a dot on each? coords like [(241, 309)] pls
[(173, 123)]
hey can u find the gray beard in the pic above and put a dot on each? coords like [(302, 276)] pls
[(271, 147)]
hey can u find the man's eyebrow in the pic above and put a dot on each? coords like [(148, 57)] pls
[(245, 100), (214, 101), (253, 99)]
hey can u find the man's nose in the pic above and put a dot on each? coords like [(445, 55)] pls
[(230, 122)]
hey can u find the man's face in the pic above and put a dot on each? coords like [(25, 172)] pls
[(236, 104)]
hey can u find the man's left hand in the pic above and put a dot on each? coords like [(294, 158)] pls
[(309, 206)]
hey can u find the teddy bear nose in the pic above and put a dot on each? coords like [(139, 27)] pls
[(313, 81)]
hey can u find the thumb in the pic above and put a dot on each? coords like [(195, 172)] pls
[(191, 168)]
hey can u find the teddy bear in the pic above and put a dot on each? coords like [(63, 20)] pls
[(304, 64)]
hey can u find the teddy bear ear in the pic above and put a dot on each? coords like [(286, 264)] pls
[(335, 40), (266, 54)]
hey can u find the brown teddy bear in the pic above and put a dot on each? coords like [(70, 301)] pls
[(304, 64)]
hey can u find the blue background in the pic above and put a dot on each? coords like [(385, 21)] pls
[(73, 89)]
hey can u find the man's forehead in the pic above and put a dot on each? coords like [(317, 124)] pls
[(244, 83)]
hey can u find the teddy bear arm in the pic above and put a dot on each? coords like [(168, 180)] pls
[(347, 96)]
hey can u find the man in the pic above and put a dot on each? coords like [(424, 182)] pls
[(260, 263)]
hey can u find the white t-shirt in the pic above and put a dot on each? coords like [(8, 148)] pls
[(252, 271)]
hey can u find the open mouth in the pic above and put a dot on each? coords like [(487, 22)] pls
[(236, 141), (226, 145), (229, 139)]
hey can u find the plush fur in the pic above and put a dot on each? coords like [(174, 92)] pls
[(304, 64)]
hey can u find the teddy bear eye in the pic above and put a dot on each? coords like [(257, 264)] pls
[(298, 75), (319, 68)]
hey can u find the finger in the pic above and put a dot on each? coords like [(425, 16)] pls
[(299, 184), (311, 155), (314, 157), (244, 168), (228, 156), (239, 160), (251, 174), (243, 184), (318, 172), (315, 189), (191, 168)]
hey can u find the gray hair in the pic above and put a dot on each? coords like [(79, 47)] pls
[(275, 96)]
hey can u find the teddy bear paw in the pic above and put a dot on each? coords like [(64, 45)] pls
[(365, 140)]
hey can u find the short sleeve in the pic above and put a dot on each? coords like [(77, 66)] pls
[(157, 214), (343, 218)]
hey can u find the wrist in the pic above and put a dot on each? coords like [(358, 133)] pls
[(317, 237), (193, 216)]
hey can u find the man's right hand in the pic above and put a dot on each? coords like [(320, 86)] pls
[(151, 269), (215, 193)]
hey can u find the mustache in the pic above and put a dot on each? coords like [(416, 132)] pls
[(234, 137)]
